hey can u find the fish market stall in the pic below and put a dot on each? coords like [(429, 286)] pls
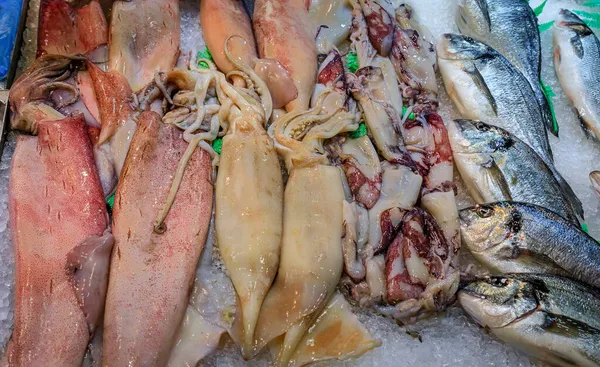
[(255, 194)]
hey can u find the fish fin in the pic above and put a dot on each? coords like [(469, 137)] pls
[(87, 270), (548, 114), (577, 46), (486, 13), (496, 178), (479, 81), (568, 192)]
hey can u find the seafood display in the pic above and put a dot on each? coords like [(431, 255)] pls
[(268, 193)]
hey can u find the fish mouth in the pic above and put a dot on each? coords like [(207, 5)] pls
[(568, 19)]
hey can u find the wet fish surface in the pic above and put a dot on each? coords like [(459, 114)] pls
[(577, 65), (553, 318), (485, 86), (511, 28), (495, 165), (511, 237)]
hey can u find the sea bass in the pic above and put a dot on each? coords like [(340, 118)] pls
[(485, 86), (577, 62), (553, 318), (496, 165), (510, 27), (511, 237)]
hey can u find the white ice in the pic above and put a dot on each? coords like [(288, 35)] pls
[(450, 339)]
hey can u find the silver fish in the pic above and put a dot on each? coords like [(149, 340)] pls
[(511, 28), (577, 65), (511, 237), (553, 318), (495, 166), (485, 86)]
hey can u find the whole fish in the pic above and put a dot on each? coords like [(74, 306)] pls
[(553, 318), (496, 166), (485, 86), (511, 237), (577, 62), (510, 27)]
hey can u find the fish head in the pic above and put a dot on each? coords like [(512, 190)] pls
[(476, 137), (567, 20), (458, 47), (485, 226), (459, 59), (497, 301), (473, 18)]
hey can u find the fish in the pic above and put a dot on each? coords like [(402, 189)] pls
[(485, 86), (511, 28), (495, 165), (512, 237), (552, 318), (576, 62)]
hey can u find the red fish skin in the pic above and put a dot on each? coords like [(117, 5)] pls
[(152, 274), (65, 30), (55, 202)]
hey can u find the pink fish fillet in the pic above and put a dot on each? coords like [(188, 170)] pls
[(55, 202), (152, 273)]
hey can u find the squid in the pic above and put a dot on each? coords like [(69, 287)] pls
[(313, 223), (410, 260), (414, 60), (58, 221), (285, 33), (54, 87), (68, 30), (249, 204), (224, 20), (332, 20), (336, 334), (210, 312), (154, 259), (144, 38), (428, 142)]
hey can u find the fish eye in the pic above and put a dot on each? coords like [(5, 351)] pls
[(498, 281), (481, 126), (483, 211)]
